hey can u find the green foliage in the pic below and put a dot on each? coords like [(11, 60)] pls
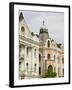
[(49, 73)]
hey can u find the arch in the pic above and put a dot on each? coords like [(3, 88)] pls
[(50, 68)]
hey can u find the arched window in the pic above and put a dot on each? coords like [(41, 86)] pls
[(48, 43), (48, 56), (39, 58), (50, 68)]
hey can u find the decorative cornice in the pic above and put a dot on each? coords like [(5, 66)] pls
[(28, 40), (54, 49)]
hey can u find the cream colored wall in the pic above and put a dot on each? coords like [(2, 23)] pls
[(31, 60)]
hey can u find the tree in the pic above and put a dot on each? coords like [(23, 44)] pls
[(49, 73)]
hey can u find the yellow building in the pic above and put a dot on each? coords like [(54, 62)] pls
[(38, 52)]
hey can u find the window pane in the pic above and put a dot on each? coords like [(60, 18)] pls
[(39, 70), (27, 51), (35, 53), (48, 43), (63, 71), (35, 68), (27, 66), (48, 56), (62, 60)]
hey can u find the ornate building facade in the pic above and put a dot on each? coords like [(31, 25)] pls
[(38, 52)]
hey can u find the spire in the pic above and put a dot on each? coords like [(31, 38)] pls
[(43, 22), (43, 28), (43, 34), (21, 16)]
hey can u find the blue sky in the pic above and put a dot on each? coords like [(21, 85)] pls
[(54, 21)]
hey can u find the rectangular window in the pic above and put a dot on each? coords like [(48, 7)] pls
[(35, 53), (63, 71), (27, 51), (35, 68), (27, 66), (62, 60), (39, 70)]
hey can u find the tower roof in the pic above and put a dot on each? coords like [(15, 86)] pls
[(21, 16), (43, 28)]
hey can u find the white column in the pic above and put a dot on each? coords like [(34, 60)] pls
[(61, 66), (22, 58), (37, 68), (31, 61), (56, 60), (21, 67), (25, 60)]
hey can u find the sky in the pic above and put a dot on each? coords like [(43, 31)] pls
[(54, 21)]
